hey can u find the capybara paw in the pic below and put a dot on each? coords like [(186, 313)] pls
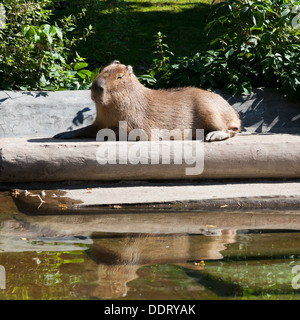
[(217, 136)]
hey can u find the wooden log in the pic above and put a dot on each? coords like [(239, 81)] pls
[(245, 156)]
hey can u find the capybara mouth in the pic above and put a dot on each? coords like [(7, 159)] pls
[(96, 99), (96, 93), (97, 90)]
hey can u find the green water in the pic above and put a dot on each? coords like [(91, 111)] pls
[(225, 264), (92, 271)]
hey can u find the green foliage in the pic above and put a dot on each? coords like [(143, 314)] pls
[(112, 25), (34, 54), (261, 47), (161, 65)]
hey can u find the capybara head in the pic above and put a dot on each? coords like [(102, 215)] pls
[(113, 83)]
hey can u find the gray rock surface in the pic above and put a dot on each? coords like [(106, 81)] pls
[(44, 113)]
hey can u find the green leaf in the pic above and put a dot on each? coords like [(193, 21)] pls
[(229, 53), (80, 65), (47, 30), (81, 75), (285, 12), (292, 82), (37, 37), (254, 20), (148, 78), (43, 80), (28, 31), (85, 72), (94, 74), (259, 18), (59, 33), (244, 13)]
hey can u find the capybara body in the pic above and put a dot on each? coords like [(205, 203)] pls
[(119, 96)]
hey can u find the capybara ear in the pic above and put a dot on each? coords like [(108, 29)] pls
[(130, 69), (116, 61)]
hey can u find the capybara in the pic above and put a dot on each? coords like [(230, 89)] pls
[(119, 96)]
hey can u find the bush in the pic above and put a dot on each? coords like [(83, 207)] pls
[(34, 54), (261, 47), (113, 25)]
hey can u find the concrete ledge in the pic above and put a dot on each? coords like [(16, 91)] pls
[(245, 156), (116, 198)]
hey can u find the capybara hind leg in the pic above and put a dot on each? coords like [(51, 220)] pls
[(216, 129)]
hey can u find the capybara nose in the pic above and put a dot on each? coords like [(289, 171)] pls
[(98, 84)]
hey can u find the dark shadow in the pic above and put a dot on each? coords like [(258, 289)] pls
[(4, 99), (66, 185), (36, 94), (28, 93), (41, 94), (267, 112), (51, 140), (79, 119), (219, 287)]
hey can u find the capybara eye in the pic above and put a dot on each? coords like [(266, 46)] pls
[(120, 76)]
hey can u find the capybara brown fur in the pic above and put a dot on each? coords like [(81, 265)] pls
[(119, 96)]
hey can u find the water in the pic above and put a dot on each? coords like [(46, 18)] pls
[(136, 256)]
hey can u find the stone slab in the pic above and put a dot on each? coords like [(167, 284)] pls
[(182, 192), (36, 113), (154, 197)]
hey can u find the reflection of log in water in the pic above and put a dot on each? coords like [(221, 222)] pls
[(160, 222), (119, 258)]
